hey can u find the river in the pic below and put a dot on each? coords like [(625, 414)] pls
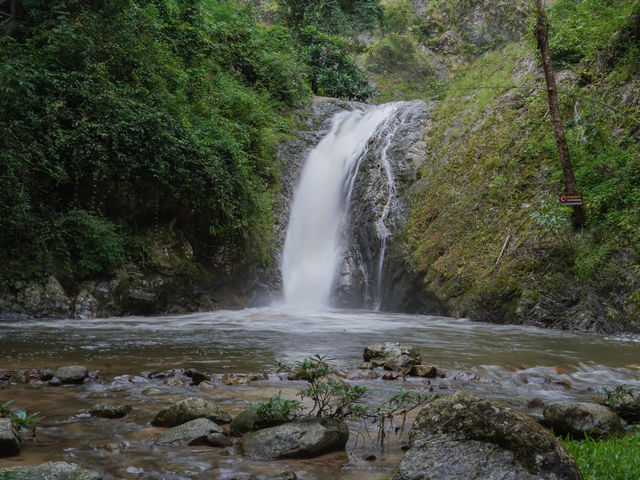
[(498, 361)]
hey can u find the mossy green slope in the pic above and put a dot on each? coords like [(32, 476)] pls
[(486, 234)]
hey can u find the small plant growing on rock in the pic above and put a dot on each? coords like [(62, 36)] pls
[(276, 410), (20, 419), (331, 396), (613, 396)]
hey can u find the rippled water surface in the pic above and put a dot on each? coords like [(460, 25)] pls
[(499, 361)]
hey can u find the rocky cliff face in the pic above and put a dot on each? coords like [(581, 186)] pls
[(374, 273)]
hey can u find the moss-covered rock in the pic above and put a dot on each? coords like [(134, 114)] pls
[(462, 436), (50, 471), (305, 438), (194, 432), (190, 409), (582, 419), (110, 410)]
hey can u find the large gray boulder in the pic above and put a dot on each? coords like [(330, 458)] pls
[(190, 409), (464, 437), (305, 438), (72, 374), (392, 356), (9, 439), (194, 432), (581, 419), (50, 471)]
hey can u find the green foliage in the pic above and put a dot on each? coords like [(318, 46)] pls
[(400, 404), (616, 458), (613, 396), (581, 29), (331, 397), (116, 115), (332, 71), (276, 410), (342, 17), (88, 246), (20, 418)]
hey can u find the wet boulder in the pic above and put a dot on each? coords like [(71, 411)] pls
[(461, 436), (195, 432), (425, 371), (249, 421), (581, 419), (190, 409), (110, 410), (245, 422), (71, 374), (392, 356), (304, 438), (9, 439), (50, 471), (627, 406)]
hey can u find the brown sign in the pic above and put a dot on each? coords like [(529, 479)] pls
[(571, 200)]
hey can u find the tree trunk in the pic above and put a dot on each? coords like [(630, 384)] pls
[(542, 35)]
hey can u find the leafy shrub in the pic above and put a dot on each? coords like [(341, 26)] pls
[(20, 418), (343, 17), (88, 246), (332, 71), (276, 410)]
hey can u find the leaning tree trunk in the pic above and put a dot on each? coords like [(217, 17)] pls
[(542, 35)]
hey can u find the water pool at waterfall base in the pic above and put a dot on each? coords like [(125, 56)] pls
[(513, 363)]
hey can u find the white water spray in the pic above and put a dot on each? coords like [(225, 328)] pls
[(312, 250)]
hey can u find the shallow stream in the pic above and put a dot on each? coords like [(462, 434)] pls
[(509, 362)]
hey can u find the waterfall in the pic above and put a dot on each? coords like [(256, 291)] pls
[(313, 249)]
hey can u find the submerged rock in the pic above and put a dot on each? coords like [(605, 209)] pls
[(110, 410), (190, 409), (195, 432), (460, 437), (50, 471), (424, 371), (392, 356), (72, 374), (303, 438), (9, 439), (581, 419)]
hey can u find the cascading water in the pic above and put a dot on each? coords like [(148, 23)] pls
[(313, 250)]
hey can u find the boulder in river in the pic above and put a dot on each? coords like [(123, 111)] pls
[(464, 437), (304, 438), (72, 374), (9, 439), (392, 356), (628, 407), (50, 471), (190, 409), (194, 432), (425, 371), (581, 419), (249, 421), (110, 410)]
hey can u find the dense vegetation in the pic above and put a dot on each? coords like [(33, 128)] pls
[(118, 116)]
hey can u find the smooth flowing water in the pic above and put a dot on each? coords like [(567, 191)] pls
[(313, 249), (497, 361)]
